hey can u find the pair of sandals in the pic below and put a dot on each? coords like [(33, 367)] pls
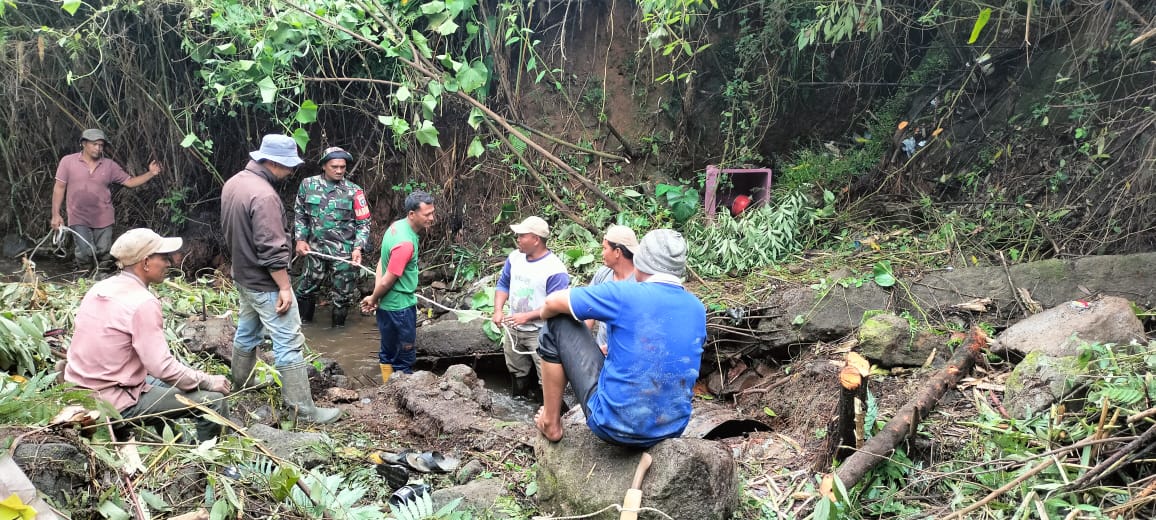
[(395, 468)]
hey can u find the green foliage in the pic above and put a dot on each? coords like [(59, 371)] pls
[(36, 400), (670, 25), (682, 200), (883, 275), (842, 20), (24, 349), (762, 237), (332, 496)]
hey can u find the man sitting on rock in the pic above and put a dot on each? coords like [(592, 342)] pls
[(641, 392)]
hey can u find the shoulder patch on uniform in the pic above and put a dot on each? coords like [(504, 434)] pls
[(360, 206)]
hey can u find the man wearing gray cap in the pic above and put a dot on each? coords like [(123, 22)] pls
[(83, 178), (253, 220), (619, 245), (640, 393), (119, 350), (530, 273)]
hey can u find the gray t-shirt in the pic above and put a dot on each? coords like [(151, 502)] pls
[(604, 275)]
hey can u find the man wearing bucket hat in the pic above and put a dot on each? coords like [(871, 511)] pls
[(83, 179), (331, 217), (530, 273), (119, 348), (640, 393), (619, 245), (252, 218)]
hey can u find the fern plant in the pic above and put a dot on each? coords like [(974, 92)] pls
[(421, 508)]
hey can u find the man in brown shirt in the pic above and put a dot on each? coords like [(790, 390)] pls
[(252, 216), (84, 177)]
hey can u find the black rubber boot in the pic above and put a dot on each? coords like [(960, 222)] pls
[(339, 314), (521, 386), (307, 305)]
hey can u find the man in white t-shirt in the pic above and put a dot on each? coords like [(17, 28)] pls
[(531, 272)]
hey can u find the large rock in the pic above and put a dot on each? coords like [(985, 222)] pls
[(479, 497), (690, 478), (451, 338), (1107, 320), (888, 340), (291, 445), (213, 335), (57, 469), (1038, 382), (456, 402)]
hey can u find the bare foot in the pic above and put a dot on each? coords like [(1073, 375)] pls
[(551, 429)]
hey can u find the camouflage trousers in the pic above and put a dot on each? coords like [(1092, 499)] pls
[(343, 278)]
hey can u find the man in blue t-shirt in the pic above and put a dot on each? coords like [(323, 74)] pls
[(640, 393)]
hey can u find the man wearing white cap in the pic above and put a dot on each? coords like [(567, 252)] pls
[(640, 392), (619, 245), (84, 177), (119, 348), (253, 220), (531, 272)]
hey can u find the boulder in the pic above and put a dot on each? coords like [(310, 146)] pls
[(887, 340), (291, 445), (1060, 330), (478, 496), (57, 469), (213, 335), (1039, 381), (456, 402), (690, 478)]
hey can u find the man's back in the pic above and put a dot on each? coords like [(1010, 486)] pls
[(253, 224), (655, 340)]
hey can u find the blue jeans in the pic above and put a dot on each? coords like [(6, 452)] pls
[(257, 315), (398, 338)]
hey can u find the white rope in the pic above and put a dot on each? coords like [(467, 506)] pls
[(57, 236), (466, 315)]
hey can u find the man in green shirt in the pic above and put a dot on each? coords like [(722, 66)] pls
[(395, 285)]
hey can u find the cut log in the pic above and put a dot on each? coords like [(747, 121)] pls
[(907, 418), (848, 435)]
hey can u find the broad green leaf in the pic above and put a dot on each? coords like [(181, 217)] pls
[(402, 93), (631, 193), (188, 140), (307, 113), (427, 134), (472, 78), (301, 137), (429, 102), (476, 148), (435, 88), (437, 6), (980, 22), (398, 125), (476, 118), (112, 511), (422, 44), (447, 27), (268, 89), (70, 6)]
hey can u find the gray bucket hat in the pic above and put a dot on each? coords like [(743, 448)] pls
[(280, 149), (662, 251)]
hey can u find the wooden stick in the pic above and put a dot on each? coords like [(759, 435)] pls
[(1113, 463), (907, 418)]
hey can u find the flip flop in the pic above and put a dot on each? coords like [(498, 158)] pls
[(395, 475), (423, 462), (444, 463)]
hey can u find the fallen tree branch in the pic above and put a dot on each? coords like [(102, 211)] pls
[(907, 418), (1121, 457), (1003, 489)]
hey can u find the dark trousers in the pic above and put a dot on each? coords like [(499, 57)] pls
[(567, 341), (398, 337)]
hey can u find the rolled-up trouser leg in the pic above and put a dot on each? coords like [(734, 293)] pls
[(566, 341)]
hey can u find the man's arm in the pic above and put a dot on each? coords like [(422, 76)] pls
[(301, 220), (363, 221), (385, 278), (284, 290), (557, 303), (154, 170), (57, 201)]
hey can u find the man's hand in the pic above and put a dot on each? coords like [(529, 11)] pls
[(497, 318), (356, 257), (302, 248), (219, 384), (155, 168), (284, 301), (368, 304), (522, 318), (57, 221)]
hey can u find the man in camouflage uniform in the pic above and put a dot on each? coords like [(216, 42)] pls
[(331, 218)]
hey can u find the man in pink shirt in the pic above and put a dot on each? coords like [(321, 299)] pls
[(85, 177), (119, 350)]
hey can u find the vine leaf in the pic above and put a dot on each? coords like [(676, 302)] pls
[(476, 148), (70, 6), (980, 22), (307, 113), (427, 134), (268, 90)]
